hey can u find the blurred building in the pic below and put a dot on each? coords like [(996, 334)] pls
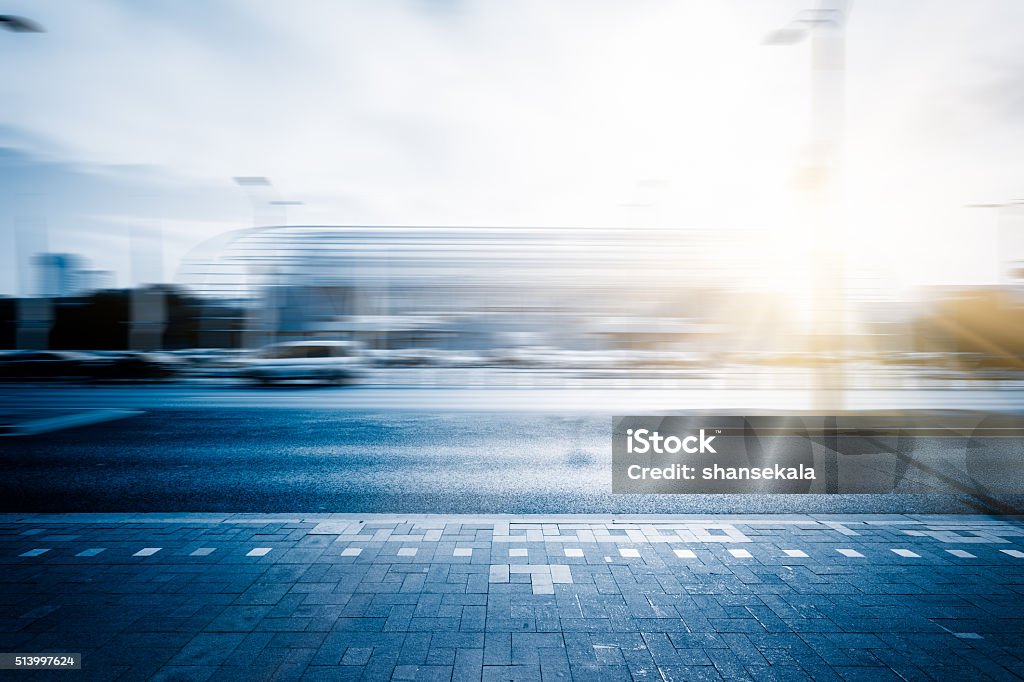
[(67, 274), (473, 288), (57, 274)]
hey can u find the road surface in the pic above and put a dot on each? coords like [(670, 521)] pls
[(207, 448)]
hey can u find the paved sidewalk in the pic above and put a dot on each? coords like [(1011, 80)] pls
[(252, 597)]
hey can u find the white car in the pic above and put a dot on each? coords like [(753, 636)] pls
[(335, 362)]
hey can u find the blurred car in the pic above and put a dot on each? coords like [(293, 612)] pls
[(212, 363), (43, 365), (425, 357), (131, 366), (336, 362)]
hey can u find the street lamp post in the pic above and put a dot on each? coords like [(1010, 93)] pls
[(824, 28)]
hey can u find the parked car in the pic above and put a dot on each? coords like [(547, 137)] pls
[(336, 362)]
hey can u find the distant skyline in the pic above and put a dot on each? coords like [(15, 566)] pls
[(135, 116)]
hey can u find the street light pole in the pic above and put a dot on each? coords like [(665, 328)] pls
[(819, 174)]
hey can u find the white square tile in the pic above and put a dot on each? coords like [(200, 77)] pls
[(685, 553), (629, 553), (852, 553), (352, 551), (906, 553), (561, 574), (36, 552), (259, 551), (543, 586), (499, 573), (463, 551), (796, 553), (203, 551), (518, 551), (740, 553), (407, 551), (147, 551), (961, 554), (573, 551), (1015, 553)]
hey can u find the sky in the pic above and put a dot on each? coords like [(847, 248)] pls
[(125, 123)]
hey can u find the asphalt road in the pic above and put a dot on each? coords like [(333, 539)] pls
[(363, 450)]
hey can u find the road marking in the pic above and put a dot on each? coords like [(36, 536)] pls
[(961, 553), (407, 551), (463, 551), (58, 422), (795, 553), (203, 551), (147, 551), (36, 552), (92, 551), (351, 551), (740, 553), (1015, 553), (685, 553), (259, 551), (573, 551), (630, 553), (518, 551), (852, 553), (906, 553)]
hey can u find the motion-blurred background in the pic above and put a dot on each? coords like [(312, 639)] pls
[(670, 192)]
